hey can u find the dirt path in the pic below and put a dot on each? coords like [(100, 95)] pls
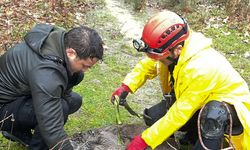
[(146, 96), (129, 27)]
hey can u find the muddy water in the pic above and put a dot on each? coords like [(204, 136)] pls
[(113, 138)]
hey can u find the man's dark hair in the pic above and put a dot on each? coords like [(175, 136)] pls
[(85, 41)]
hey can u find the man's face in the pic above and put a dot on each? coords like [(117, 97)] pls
[(79, 65), (173, 54), (166, 61), (82, 65)]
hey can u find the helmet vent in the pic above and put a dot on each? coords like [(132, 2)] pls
[(163, 36), (168, 32)]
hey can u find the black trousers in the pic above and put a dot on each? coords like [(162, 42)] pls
[(21, 118), (212, 143)]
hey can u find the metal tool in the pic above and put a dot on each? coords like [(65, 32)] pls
[(118, 116), (123, 102)]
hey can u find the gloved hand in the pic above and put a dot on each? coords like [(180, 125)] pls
[(137, 144), (121, 92)]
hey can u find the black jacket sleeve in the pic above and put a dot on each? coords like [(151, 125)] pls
[(47, 87)]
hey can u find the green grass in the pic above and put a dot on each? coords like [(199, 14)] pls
[(9, 145), (96, 90), (104, 78)]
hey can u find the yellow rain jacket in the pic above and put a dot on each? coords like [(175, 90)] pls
[(201, 75)]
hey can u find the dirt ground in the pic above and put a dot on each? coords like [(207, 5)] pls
[(114, 138)]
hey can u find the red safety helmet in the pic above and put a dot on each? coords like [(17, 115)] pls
[(161, 33)]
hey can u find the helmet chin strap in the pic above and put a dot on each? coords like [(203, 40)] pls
[(173, 60)]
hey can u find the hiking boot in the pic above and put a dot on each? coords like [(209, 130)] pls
[(21, 137)]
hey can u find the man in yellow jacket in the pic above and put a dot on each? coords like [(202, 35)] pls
[(202, 79)]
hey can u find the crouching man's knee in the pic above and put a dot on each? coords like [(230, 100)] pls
[(214, 120), (71, 104), (74, 102)]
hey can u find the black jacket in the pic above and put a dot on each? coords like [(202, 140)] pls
[(38, 67)]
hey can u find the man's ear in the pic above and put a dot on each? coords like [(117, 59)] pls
[(71, 53), (178, 49)]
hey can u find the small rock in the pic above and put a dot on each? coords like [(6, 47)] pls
[(247, 55), (232, 26)]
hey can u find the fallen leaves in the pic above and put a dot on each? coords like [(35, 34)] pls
[(17, 17)]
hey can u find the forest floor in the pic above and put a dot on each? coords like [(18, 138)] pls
[(118, 24)]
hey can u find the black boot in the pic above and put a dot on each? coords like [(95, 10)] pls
[(37, 142)]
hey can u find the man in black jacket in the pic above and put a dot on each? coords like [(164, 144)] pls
[(36, 81)]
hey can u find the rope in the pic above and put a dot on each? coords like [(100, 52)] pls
[(171, 146)]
